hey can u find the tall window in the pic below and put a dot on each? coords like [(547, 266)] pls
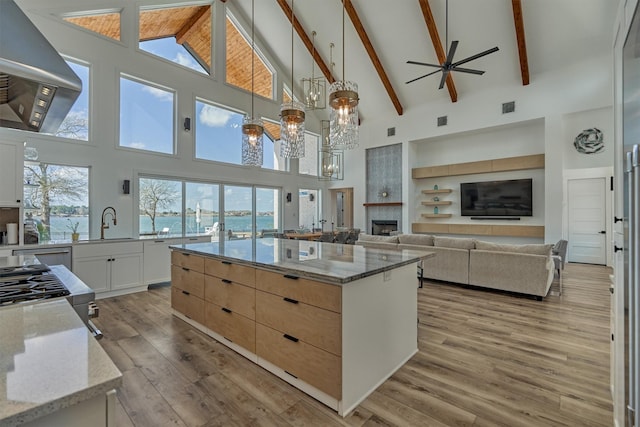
[(160, 204), (76, 124), (202, 208), (180, 34), (309, 208), (56, 201), (218, 133), (267, 209), (146, 116)]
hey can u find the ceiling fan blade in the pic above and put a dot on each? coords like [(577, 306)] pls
[(467, 70), (424, 63), (476, 56), (452, 51), (445, 73), (422, 77)]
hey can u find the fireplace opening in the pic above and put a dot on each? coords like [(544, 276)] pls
[(381, 227)]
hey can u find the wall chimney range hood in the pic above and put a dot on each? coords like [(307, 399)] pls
[(37, 86)]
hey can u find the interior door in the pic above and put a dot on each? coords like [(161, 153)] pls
[(587, 216)]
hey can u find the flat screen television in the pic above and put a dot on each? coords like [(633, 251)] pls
[(497, 198)]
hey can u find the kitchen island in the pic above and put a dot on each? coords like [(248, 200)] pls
[(333, 320)]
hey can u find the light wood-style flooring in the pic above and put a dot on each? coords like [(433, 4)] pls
[(486, 359)]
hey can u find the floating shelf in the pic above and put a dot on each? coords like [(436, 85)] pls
[(432, 215), (535, 161), (383, 204), (480, 229), (440, 203), (439, 191)]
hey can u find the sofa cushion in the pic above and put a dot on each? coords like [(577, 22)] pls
[(453, 242), (416, 239), (378, 239), (531, 249)]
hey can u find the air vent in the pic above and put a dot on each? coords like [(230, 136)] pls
[(508, 107), (391, 131), (442, 121)]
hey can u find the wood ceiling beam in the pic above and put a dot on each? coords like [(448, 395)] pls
[(522, 45), (437, 45), (377, 64), (192, 24), (307, 41)]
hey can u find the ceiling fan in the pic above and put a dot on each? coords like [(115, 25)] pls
[(448, 64)]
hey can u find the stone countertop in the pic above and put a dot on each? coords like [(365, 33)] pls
[(49, 360), (325, 262)]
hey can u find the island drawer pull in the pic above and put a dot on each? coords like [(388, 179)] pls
[(226, 281), (226, 310), (289, 276), (226, 262), (183, 254), (159, 241), (290, 338), (185, 269), (186, 293), (292, 301)]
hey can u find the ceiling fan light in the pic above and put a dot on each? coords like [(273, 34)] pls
[(252, 141)]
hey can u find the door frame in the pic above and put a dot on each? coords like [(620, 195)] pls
[(575, 174)]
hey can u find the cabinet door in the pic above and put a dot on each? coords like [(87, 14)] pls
[(10, 174), (126, 271), (93, 271), (157, 261)]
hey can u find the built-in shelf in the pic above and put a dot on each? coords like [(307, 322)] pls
[(479, 229), (439, 191), (383, 204), (535, 161), (434, 215), (438, 203)]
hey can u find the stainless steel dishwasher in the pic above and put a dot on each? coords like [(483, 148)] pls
[(49, 256)]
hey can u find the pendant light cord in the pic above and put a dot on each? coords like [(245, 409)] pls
[(343, 7), (253, 53), (292, 19)]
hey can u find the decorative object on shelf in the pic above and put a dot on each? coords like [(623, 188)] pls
[(435, 210), (252, 128), (292, 117), (73, 226), (314, 87), (384, 193), (436, 199), (435, 187), (330, 161), (589, 141), (343, 99)]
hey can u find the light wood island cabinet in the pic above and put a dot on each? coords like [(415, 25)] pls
[(335, 326)]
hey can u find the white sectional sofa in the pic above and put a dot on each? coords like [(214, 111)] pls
[(526, 269)]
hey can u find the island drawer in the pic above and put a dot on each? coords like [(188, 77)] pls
[(187, 304), (230, 271), (190, 261), (300, 289), (235, 296), (316, 326), (310, 364), (232, 326), (188, 280)]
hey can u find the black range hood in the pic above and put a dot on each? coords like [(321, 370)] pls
[(37, 86)]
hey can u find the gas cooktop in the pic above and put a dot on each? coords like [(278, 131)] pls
[(24, 286)]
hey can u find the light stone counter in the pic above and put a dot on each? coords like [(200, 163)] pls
[(48, 361), (326, 262)]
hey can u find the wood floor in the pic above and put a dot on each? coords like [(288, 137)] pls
[(485, 359)]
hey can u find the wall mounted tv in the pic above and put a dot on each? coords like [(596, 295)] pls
[(497, 198)]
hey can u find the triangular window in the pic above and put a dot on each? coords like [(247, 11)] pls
[(106, 22)]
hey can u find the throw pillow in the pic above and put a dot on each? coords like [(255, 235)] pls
[(532, 249), (374, 238), (452, 242), (416, 239)]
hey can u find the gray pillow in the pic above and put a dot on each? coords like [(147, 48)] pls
[(532, 249), (416, 239), (452, 242), (373, 238)]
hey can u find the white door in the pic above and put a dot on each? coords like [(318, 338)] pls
[(587, 225)]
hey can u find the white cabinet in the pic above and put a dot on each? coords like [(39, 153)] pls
[(11, 173), (110, 268), (157, 257)]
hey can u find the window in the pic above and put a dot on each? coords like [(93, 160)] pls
[(309, 208), (218, 133), (202, 208), (160, 205), (181, 35), (308, 164), (267, 209), (76, 124), (146, 116), (238, 66), (106, 23), (56, 198)]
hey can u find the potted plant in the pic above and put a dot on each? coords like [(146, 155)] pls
[(73, 226)]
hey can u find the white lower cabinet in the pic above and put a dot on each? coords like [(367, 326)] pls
[(110, 268), (157, 257)]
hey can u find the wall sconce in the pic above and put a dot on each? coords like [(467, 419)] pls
[(311, 197), (126, 186), (288, 197), (187, 124)]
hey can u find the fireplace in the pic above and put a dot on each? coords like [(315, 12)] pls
[(383, 227)]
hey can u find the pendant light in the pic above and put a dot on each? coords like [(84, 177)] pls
[(343, 99), (292, 118), (252, 128), (314, 88)]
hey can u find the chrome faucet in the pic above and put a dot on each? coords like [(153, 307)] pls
[(107, 211)]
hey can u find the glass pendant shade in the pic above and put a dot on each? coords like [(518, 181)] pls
[(343, 119), (330, 161), (252, 141), (292, 117)]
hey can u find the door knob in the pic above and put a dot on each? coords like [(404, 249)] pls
[(602, 232)]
